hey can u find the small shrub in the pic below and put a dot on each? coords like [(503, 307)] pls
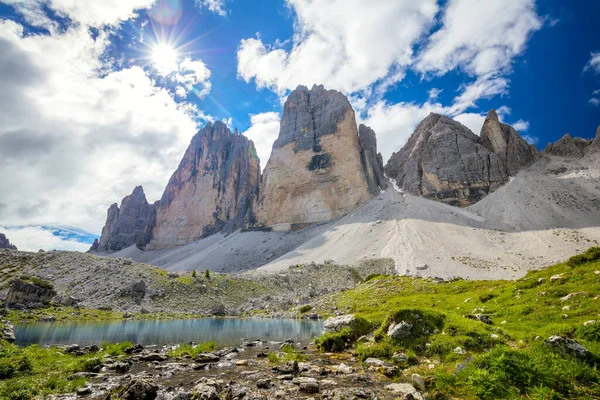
[(90, 364), (116, 349), (339, 341), (34, 280), (207, 274), (305, 308), (273, 358), (192, 350), (424, 322), (591, 254), (590, 332)]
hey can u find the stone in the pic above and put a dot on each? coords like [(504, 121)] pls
[(460, 350), (555, 278), (400, 357), (153, 357), (128, 225), (140, 390), (399, 331), (568, 347), (568, 147), (212, 190), (444, 161), (372, 162), (401, 388), (84, 391), (5, 243), (503, 140), (241, 363), (315, 172), (122, 367), (374, 361), (7, 332), (336, 324), (264, 384), (309, 387), (203, 391), (28, 293), (418, 382), (481, 318), (204, 358)]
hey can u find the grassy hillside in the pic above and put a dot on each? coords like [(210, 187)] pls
[(505, 359)]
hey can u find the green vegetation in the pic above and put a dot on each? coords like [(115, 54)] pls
[(504, 359), (36, 281), (207, 274), (288, 353), (305, 308), (194, 274), (339, 341), (116, 349), (192, 350)]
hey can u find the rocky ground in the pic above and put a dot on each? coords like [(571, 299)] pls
[(122, 285)]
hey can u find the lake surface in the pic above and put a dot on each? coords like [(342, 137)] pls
[(225, 331)]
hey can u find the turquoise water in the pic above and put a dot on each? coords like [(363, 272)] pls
[(225, 331)]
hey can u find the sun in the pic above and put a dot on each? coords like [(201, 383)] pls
[(164, 58)]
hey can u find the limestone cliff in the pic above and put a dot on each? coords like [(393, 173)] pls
[(5, 243), (573, 147), (443, 160), (372, 162), (128, 225), (315, 172), (211, 191), (504, 140)]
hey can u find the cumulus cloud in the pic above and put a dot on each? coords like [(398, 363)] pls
[(263, 132), (348, 44), (216, 6), (92, 13), (77, 135), (480, 37), (193, 75), (33, 238), (593, 64)]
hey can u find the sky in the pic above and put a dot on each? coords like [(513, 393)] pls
[(97, 97)]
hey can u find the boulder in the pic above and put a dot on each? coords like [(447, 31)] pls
[(203, 391), (315, 172), (29, 293), (7, 331), (211, 191), (568, 347), (139, 390), (336, 324), (399, 331)]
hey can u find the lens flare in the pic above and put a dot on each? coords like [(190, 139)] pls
[(167, 12), (165, 58)]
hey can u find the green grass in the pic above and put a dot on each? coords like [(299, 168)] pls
[(37, 281), (116, 349), (192, 350), (305, 308), (287, 354), (505, 359)]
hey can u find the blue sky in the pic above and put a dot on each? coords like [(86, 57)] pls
[(102, 96)]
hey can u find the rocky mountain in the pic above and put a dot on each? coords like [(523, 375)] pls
[(573, 147), (316, 172), (5, 243), (211, 191), (504, 140), (128, 225), (372, 162), (443, 160)]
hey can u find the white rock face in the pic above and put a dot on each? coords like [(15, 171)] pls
[(336, 324)]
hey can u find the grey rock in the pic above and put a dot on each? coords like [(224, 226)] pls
[(5, 243), (443, 160), (418, 382), (204, 358), (568, 147), (28, 293), (139, 390), (203, 391), (372, 162), (153, 357), (336, 324), (568, 347), (128, 225), (264, 384), (309, 387), (400, 330), (480, 317), (503, 140), (7, 332)]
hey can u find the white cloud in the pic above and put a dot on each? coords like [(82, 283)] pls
[(595, 92), (521, 126), (593, 64), (473, 121), (263, 132), (34, 238), (531, 139), (93, 13), (193, 75), (484, 87), (434, 93), (76, 135), (216, 6), (480, 37), (594, 101), (346, 44)]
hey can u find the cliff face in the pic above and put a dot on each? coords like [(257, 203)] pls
[(5, 243), (211, 191), (315, 172), (372, 162), (130, 224), (504, 140), (443, 160), (571, 147)]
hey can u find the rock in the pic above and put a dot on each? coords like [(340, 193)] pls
[(7, 331), (336, 324), (555, 278), (443, 160), (460, 350), (568, 347), (264, 384), (418, 382), (399, 331), (204, 358), (480, 317), (72, 348), (84, 391), (401, 389), (400, 357), (211, 191), (315, 172), (241, 363), (503, 140), (67, 301), (345, 369), (128, 225), (372, 162), (28, 293), (203, 391), (568, 147), (374, 361), (5, 243), (139, 390), (137, 291), (301, 380), (153, 357), (136, 348), (122, 367), (309, 387)]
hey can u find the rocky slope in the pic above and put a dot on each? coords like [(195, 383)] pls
[(128, 225), (573, 147), (5, 243), (211, 191), (315, 173)]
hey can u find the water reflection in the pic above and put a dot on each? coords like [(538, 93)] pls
[(225, 332)]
